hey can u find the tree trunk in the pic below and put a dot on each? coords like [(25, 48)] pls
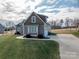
[(78, 28)]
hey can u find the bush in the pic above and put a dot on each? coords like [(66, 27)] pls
[(49, 33), (28, 36), (18, 33), (56, 27), (40, 36)]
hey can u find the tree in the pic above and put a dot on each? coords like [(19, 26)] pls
[(67, 22), (53, 23), (61, 22), (76, 23)]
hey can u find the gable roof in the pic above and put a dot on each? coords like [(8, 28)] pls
[(20, 23), (38, 15), (42, 16), (2, 25)]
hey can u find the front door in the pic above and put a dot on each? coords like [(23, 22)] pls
[(33, 30)]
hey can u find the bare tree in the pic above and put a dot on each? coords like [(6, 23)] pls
[(61, 22), (53, 24), (70, 23), (67, 22), (76, 23)]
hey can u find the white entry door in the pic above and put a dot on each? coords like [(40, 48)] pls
[(33, 30)]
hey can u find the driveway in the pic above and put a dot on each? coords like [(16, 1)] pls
[(69, 46)]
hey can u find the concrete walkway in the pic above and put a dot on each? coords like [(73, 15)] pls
[(69, 46)]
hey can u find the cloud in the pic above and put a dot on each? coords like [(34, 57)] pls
[(52, 8), (73, 1), (51, 1), (66, 12)]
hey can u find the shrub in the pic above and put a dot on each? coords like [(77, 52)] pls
[(50, 33), (18, 33), (28, 36), (40, 36)]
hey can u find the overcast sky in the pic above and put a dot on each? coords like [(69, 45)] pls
[(16, 9)]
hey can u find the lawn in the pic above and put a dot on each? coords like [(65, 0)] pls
[(63, 31), (66, 31), (12, 48), (76, 34)]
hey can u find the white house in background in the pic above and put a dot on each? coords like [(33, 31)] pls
[(2, 29), (34, 24)]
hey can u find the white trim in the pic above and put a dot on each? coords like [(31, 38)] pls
[(46, 30), (23, 30), (28, 29), (30, 26), (27, 18), (33, 19), (40, 18)]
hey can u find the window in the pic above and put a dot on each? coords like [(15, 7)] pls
[(33, 19), (32, 29)]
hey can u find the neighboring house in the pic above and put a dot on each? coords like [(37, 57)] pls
[(19, 28), (34, 24), (2, 29)]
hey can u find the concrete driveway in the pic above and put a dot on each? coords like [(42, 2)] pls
[(69, 46)]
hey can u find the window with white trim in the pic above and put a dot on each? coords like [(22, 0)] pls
[(33, 19), (32, 29)]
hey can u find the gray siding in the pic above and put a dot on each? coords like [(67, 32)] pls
[(19, 29), (1, 29), (41, 29), (25, 30)]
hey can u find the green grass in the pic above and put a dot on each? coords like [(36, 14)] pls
[(76, 33), (12, 48)]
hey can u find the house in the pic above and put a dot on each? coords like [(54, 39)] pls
[(19, 28), (2, 29), (34, 24)]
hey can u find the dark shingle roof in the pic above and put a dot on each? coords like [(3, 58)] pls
[(2, 25), (28, 14)]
